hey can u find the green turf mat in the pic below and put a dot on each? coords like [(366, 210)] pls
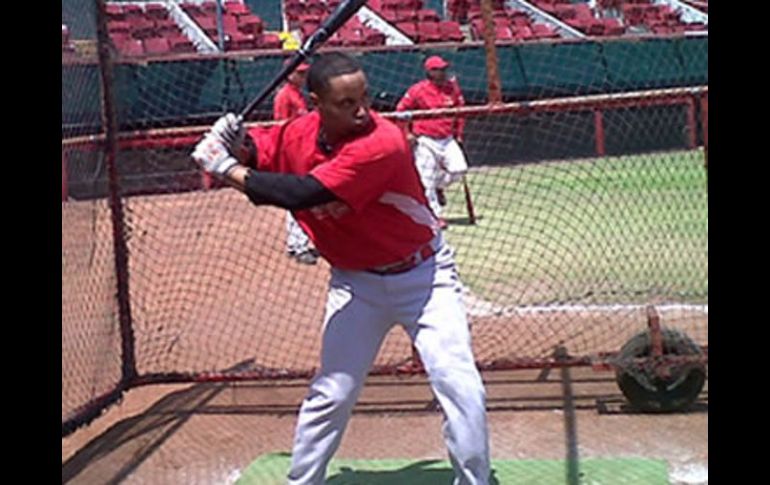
[(271, 469)]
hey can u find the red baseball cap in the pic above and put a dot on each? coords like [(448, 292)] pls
[(435, 62)]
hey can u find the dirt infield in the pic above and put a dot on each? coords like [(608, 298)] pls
[(202, 303)]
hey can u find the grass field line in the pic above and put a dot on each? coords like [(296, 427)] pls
[(478, 307)]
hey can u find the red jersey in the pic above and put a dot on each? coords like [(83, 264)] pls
[(289, 103), (428, 95), (381, 216)]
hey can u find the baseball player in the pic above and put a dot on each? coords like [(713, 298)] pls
[(349, 177), (289, 102), (439, 157)]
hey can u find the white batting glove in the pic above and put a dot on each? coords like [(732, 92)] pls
[(230, 131), (213, 156)]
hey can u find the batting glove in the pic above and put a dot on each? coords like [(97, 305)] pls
[(230, 131), (212, 155)]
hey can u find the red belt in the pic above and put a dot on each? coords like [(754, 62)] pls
[(405, 265)]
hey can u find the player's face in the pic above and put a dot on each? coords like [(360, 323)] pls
[(344, 105), (298, 78), (438, 76)]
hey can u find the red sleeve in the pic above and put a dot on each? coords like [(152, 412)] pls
[(266, 140), (409, 101), (358, 174)]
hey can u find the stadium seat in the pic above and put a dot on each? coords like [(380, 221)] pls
[(230, 24), (118, 27), (372, 37), (166, 27), (429, 32), (408, 28), (142, 28), (406, 15), (352, 38), (250, 24), (389, 15), (155, 11), (269, 41), (427, 15), (613, 27), (156, 45), (450, 31), (114, 12), (181, 44), (236, 8), (131, 47), (543, 31), (524, 33), (132, 11), (502, 32), (209, 7), (521, 21)]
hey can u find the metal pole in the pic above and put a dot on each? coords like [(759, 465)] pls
[(494, 86), (110, 126)]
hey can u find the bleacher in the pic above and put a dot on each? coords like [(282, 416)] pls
[(190, 26)]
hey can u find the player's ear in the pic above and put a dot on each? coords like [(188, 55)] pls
[(314, 99)]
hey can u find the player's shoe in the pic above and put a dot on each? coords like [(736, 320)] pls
[(306, 257)]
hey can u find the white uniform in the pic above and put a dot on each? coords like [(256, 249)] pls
[(361, 308), (440, 162)]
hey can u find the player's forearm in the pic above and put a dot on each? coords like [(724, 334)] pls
[(293, 192)]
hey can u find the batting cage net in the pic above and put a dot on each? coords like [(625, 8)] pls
[(580, 228)]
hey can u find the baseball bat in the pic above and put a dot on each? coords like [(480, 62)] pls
[(328, 27), (469, 202)]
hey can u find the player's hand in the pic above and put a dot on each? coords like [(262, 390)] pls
[(230, 131), (213, 156), (412, 139)]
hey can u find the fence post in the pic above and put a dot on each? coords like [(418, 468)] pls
[(110, 126), (599, 129)]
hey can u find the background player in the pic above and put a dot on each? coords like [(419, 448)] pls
[(440, 159), (349, 177), (290, 102)]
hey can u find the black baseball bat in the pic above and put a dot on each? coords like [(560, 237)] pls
[(328, 27)]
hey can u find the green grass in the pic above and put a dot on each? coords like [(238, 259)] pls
[(612, 230)]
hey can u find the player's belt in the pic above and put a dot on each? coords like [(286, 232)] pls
[(405, 265)]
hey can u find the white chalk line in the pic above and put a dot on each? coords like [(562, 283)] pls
[(478, 307)]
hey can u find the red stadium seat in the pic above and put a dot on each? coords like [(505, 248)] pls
[(156, 45), (543, 31), (389, 15), (236, 8), (131, 47), (427, 15), (114, 12), (524, 33), (408, 28), (142, 28), (429, 32), (520, 21), (181, 44), (269, 41), (209, 7), (406, 15), (612, 27), (372, 37), (132, 11), (352, 38), (502, 32), (118, 26), (250, 24), (229, 23), (155, 11), (166, 27), (450, 31)]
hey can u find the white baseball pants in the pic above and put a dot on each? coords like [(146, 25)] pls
[(361, 308), (440, 162)]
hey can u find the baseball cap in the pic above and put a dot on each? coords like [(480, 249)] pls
[(435, 62)]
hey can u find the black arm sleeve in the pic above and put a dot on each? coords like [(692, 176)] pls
[(289, 191)]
